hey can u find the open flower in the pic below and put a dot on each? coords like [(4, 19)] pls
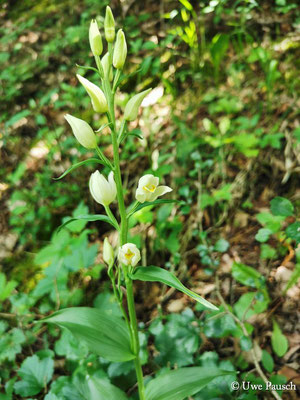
[(98, 99), (103, 191), (82, 131), (148, 189), (129, 254)]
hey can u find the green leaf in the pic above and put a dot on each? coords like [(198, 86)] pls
[(105, 335), (101, 389), (293, 279), (181, 383), (293, 231), (136, 135), (156, 274), (90, 218), (219, 46), (102, 127), (221, 245), (6, 287), (282, 206), (246, 343), (87, 67), (35, 374), (270, 221), (263, 235), (267, 252), (267, 361), (74, 166), (153, 203), (279, 341), (246, 275)]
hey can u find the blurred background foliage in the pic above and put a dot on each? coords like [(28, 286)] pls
[(221, 128)]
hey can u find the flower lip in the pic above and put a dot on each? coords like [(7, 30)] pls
[(148, 189), (129, 254)]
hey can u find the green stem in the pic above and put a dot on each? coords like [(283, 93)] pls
[(104, 159), (136, 343), (119, 298), (112, 217), (123, 235)]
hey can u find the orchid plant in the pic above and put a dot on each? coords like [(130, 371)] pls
[(110, 336)]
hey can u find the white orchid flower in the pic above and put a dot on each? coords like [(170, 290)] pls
[(148, 189), (129, 254), (103, 191)]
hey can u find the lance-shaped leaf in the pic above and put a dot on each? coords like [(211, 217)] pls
[(152, 203), (101, 389), (90, 218), (157, 274), (181, 383), (105, 335), (79, 164)]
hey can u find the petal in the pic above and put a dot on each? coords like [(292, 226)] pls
[(160, 191), (94, 187), (148, 179), (113, 186), (140, 195)]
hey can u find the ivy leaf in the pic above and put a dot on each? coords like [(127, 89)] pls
[(35, 374), (263, 235), (282, 206), (293, 231)]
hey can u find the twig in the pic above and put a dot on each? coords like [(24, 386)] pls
[(242, 325)]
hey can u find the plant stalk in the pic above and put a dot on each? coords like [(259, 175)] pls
[(123, 238)]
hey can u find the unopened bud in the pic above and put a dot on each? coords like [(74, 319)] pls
[(108, 253), (120, 50), (109, 25), (132, 107), (107, 66), (95, 39), (98, 99), (82, 131)]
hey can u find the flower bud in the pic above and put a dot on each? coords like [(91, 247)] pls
[(108, 253), (98, 99), (82, 131), (132, 107), (109, 25), (120, 50), (107, 66), (95, 39), (129, 254), (148, 189), (103, 191)]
